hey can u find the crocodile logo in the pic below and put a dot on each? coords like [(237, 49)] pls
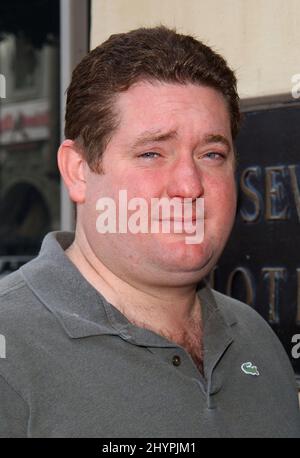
[(249, 369)]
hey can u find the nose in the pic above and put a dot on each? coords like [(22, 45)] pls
[(185, 180)]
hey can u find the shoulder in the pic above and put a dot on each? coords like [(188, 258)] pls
[(22, 312), (29, 334), (251, 329), (23, 317), (13, 292), (11, 282), (16, 298), (238, 311)]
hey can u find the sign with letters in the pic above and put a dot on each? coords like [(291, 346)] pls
[(261, 263)]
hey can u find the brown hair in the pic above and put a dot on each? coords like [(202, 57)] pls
[(143, 54)]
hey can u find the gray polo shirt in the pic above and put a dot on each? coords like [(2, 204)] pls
[(76, 367)]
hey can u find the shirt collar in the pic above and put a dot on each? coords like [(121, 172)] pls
[(62, 289), (83, 311)]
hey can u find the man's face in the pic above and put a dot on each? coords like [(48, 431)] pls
[(173, 141)]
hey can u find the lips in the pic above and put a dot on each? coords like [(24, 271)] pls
[(179, 220)]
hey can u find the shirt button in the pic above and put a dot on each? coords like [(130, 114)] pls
[(176, 360)]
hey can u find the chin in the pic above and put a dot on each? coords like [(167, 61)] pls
[(183, 257)]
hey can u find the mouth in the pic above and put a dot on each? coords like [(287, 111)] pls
[(180, 220)]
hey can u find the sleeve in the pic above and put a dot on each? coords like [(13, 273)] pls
[(13, 412)]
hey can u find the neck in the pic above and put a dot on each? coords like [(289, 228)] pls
[(168, 311)]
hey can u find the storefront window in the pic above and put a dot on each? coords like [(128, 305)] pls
[(29, 128)]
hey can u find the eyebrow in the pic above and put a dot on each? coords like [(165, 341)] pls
[(217, 138), (150, 136), (159, 136)]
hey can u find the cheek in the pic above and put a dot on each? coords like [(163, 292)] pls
[(97, 187), (142, 183), (221, 196)]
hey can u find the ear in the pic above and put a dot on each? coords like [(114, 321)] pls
[(72, 168)]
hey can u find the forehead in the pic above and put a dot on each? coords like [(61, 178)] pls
[(179, 107)]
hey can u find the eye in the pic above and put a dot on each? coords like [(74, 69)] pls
[(149, 155), (214, 155)]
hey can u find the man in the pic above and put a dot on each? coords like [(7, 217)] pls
[(113, 332)]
